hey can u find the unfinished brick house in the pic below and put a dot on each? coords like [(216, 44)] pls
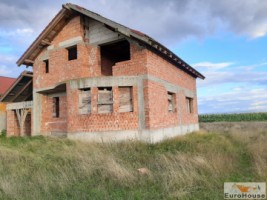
[(96, 80)]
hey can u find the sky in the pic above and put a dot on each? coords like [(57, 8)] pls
[(225, 40)]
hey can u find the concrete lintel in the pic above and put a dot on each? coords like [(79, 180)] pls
[(19, 105), (171, 87), (104, 82), (108, 40), (70, 42), (189, 93), (45, 56), (44, 89), (59, 94), (50, 47)]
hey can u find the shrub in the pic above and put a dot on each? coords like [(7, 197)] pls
[(3, 133)]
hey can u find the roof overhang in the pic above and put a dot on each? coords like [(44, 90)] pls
[(61, 88), (45, 37), (68, 10), (21, 90)]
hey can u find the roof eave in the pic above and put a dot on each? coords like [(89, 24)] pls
[(24, 59), (23, 74)]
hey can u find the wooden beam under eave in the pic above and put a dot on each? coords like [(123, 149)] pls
[(42, 36), (28, 61), (27, 75), (46, 42)]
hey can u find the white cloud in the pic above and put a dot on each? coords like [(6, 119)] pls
[(220, 73), (24, 31), (259, 31), (238, 101), (177, 20), (209, 66), (259, 103), (17, 32), (4, 71), (7, 58)]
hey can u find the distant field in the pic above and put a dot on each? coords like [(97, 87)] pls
[(233, 117), (194, 166)]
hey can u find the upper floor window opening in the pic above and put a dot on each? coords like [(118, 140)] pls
[(46, 62), (72, 53), (112, 53)]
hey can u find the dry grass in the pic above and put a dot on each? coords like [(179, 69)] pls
[(190, 167), (258, 149)]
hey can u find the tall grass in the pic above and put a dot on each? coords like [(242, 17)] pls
[(191, 167), (238, 117)]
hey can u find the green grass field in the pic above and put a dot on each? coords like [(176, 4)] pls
[(191, 167), (233, 117)]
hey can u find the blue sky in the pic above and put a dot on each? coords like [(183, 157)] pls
[(225, 40)]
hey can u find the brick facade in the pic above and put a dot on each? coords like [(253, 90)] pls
[(100, 122), (12, 125), (150, 76)]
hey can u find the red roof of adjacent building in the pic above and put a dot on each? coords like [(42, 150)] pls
[(5, 83)]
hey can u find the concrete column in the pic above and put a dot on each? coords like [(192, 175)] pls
[(116, 99), (141, 105), (36, 114)]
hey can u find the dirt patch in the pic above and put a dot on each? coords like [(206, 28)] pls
[(226, 127)]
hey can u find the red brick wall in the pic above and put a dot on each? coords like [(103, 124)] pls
[(100, 122), (12, 124), (156, 106), (71, 30), (162, 69), (60, 68), (133, 67), (13, 128), (156, 95), (50, 123)]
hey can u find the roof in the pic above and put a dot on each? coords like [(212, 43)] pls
[(68, 10), (5, 83), (21, 90)]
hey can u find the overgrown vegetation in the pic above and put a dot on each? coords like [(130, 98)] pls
[(238, 117), (191, 167), (3, 133)]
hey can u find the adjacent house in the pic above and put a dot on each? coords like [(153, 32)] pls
[(97, 80), (19, 103), (5, 83)]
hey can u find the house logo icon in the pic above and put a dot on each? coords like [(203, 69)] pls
[(246, 190)]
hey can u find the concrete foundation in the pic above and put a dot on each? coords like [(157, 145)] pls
[(149, 136)]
